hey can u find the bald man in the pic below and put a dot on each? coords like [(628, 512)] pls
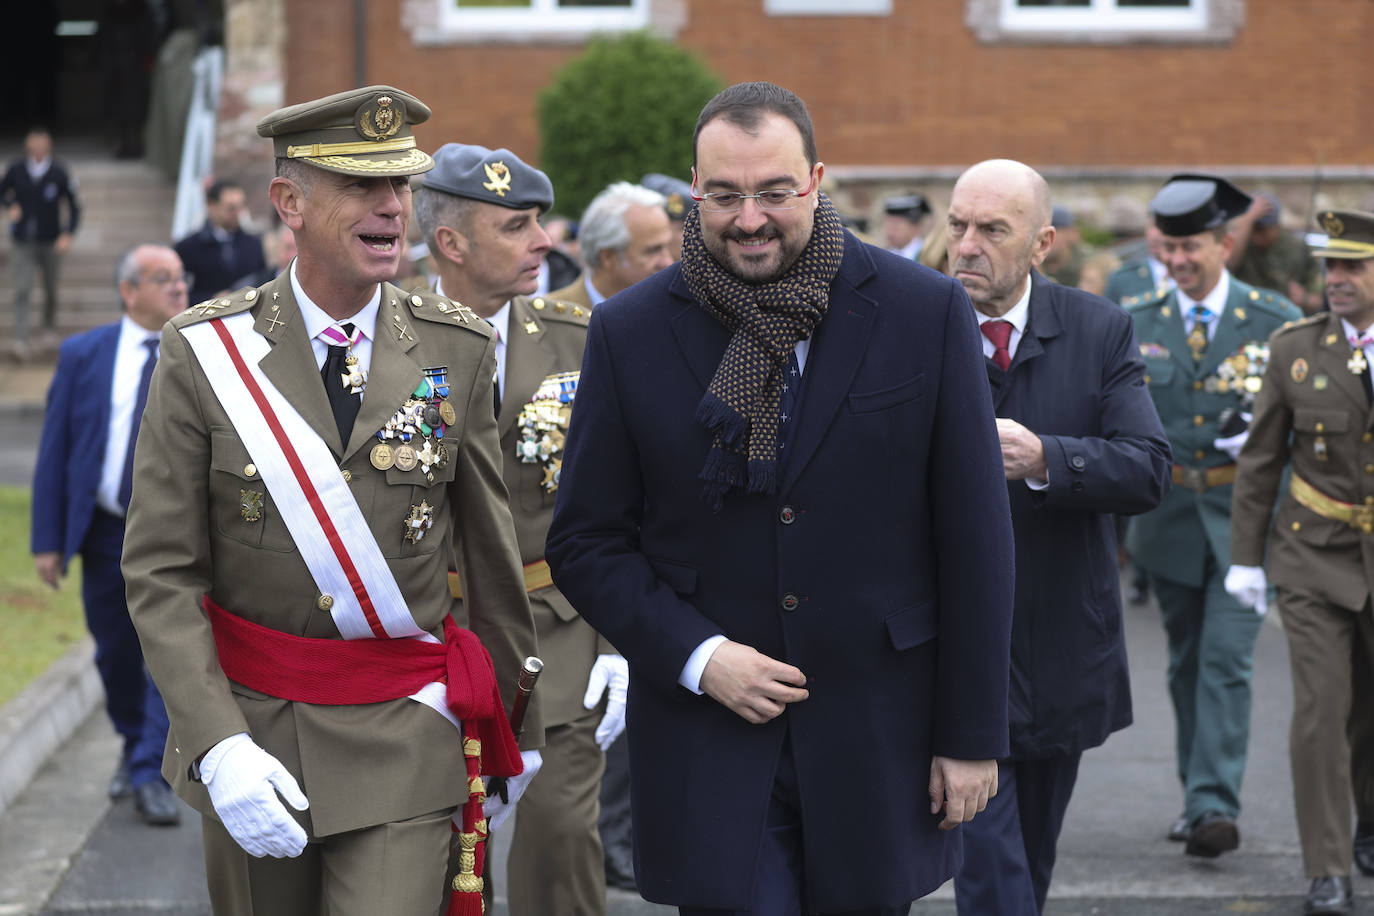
[(1081, 441)]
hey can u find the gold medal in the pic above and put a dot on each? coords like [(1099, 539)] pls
[(1357, 363), (383, 456), (406, 459), (1299, 370), (447, 413)]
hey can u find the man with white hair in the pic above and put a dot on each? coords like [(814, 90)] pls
[(624, 237)]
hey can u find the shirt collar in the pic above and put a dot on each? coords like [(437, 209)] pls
[(1352, 333), (501, 321), (1019, 313), (1215, 301), (38, 167), (316, 319), (592, 292), (135, 334)]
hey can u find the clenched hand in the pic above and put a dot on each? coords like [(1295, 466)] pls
[(752, 685), (961, 787)]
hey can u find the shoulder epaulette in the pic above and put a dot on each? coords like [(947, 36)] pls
[(1307, 322), (430, 306), (559, 310), (1146, 300), (219, 306), (1270, 302)]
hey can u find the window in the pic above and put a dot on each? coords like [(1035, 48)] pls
[(1105, 20), (542, 17), (827, 7)]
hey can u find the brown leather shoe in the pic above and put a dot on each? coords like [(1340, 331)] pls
[(1212, 834)]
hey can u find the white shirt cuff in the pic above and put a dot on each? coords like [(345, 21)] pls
[(696, 664), (1037, 484)]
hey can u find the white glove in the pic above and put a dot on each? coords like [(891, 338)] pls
[(1232, 445), (611, 676), (496, 811), (1248, 586), (244, 780)]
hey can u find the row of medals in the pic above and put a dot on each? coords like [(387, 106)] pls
[(419, 426)]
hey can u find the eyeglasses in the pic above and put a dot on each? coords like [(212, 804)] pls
[(772, 199), (171, 279)]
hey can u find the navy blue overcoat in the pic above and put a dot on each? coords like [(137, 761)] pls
[(882, 568)]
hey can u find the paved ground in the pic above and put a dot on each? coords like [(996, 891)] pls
[(66, 850)]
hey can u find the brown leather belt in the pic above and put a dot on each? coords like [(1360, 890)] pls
[(537, 576), (1361, 518), (1200, 480)]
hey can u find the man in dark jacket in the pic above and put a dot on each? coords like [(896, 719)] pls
[(1081, 441), (33, 189), (221, 251)]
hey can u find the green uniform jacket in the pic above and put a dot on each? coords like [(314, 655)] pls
[(545, 338), (1313, 413), (1172, 541), (1132, 279), (188, 534)]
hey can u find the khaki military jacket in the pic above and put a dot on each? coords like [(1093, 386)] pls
[(1312, 413), (575, 293), (545, 338), (201, 521)]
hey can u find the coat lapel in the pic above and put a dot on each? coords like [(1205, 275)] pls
[(1042, 323), (290, 364), (1335, 354), (98, 377), (701, 338), (528, 362), (1173, 337), (837, 349)]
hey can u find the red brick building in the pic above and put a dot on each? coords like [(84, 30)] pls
[(1105, 96)]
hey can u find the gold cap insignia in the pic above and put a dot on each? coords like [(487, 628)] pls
[(1333, 225), (499, 178), (675, 205), (381, 118)]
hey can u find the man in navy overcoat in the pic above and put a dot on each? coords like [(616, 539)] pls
[(1081, 441), (812, 586)]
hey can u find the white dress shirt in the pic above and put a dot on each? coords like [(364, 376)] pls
[(130, 355), (1352, 334), (1018, 316), (316, 320)]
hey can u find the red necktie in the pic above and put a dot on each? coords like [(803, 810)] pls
[(999, 332)]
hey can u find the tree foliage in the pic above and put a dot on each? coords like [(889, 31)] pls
[(623, 108)]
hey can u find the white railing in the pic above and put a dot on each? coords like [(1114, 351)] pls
[(198, 148)]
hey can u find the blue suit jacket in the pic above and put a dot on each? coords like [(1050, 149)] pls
[(71, 448), (203, 255), (1078, 382), (890, 529)]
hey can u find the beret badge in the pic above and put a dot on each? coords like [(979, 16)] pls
[(380, 119), (1333, 225), (498, 178)]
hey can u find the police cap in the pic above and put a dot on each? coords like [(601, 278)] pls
[(913, 206), (496, 176), (1349, 235), (1189, 204), (360, 132), (678, 193)]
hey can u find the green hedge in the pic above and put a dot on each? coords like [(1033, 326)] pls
[(623, 108)]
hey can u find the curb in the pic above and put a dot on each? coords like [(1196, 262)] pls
[(41, 718)]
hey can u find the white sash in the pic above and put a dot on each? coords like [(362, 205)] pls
[(303, 477)]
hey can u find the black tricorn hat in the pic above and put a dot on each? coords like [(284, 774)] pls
[(1189, 204)]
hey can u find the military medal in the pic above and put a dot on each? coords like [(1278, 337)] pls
[(1197, 341), (1299, 370), (405, 458), (447, 413), (543, 423), (419, 521), (382, 456), (353, 377), (1319, 448), (1357, 363)]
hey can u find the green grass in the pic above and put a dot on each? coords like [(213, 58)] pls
[(37, 624)]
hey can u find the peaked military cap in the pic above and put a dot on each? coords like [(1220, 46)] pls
[(1189, 204), (913, 206), (496, 176), (677, 192), (1349, 235), (360, 132)]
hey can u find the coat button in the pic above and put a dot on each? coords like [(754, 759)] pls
[(790, 602), (1197, 386), (1369, 468), (1198, 420), (250, 470), (325, 602), (1297, 526), (787, 515), (1199, 454), (1077, 486), (1320, 427), (347, 476), (1367, 437), (1077, 462)]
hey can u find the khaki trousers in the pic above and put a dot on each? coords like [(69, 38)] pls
[(394, 869), (556, 865), (1322, 641)]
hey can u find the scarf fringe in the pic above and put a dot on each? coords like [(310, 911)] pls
[(722, 419), (763, 476)]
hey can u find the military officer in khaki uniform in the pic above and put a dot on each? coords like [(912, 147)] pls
[(328, 427), (479, 210), (1313, 414), (1203, 342)]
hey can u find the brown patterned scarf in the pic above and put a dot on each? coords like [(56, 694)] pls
[(765, 321)]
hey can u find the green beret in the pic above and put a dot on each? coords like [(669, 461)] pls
[(495, 176), (362, 132)]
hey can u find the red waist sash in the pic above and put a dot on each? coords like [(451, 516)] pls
[(348, 672)]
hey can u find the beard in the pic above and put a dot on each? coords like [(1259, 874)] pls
[(765, 267)]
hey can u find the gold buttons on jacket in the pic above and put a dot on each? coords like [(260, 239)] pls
[(325, 602), (1198, 420), (347, 476), (250, 470), (1369, 468), (1297, 525), (1199, 454), (1367, 437), (1320, 427), (1197, 386)]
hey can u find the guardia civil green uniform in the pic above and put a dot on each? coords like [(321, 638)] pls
[(1184, 545), (1131, 280), (1313, 415)]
